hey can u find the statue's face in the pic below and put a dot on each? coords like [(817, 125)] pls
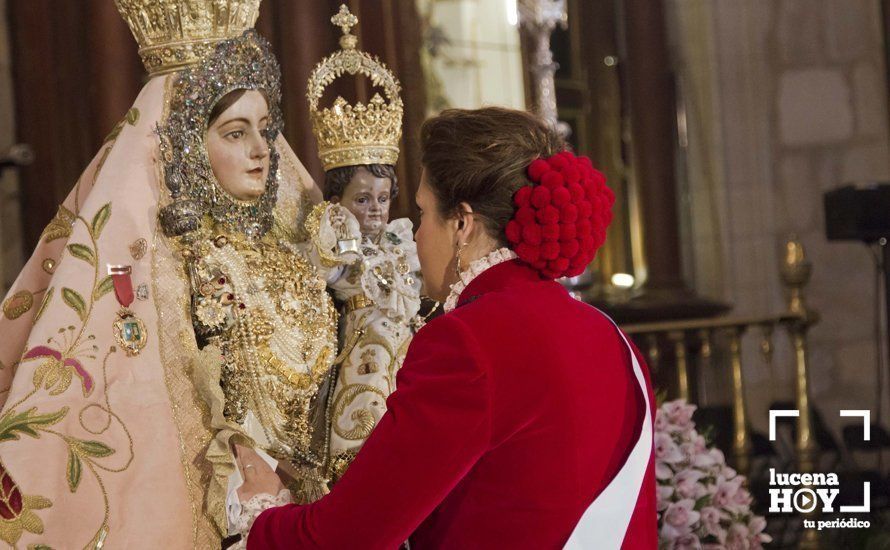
[(237, 147), (368, 198)]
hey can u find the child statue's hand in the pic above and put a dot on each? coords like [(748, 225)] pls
[(348, 232)]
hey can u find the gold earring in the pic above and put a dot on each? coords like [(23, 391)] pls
[(457, 267)]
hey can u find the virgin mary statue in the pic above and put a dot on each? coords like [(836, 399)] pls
[(163, 316)]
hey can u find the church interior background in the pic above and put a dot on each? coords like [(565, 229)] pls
[(719, 123)]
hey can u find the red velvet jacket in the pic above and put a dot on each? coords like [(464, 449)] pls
[(513, 412)]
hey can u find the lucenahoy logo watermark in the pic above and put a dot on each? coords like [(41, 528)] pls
[(816, 492)]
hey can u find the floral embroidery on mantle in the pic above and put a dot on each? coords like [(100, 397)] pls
[(57, 362)]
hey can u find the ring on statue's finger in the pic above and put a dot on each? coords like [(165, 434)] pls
[(248, 466)]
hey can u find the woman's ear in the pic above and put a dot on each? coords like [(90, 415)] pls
[(466, 222)]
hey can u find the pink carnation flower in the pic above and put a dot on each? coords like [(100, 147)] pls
[(687, 483), (710, 519), (666, 449), (687, 542), (737, 538), (679, 413), (679, 518)]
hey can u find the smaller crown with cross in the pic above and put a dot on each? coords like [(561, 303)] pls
[(352, 135)]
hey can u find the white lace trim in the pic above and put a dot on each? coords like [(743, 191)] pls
[(251, 509), (472, 271)]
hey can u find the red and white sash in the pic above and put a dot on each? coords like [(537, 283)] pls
[(604, 524)]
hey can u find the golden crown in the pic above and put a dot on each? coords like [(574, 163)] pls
[(173, 34), (351, 135)]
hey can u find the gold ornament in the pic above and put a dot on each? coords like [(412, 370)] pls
[(351, 135), (49, 265), (173, 34), (138, 249), (279, 342), (18, 304), (129, 331)]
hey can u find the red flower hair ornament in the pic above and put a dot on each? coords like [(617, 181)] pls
[(560, 219)]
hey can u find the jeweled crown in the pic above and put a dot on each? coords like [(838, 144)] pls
[(173, 34), (351, 135)]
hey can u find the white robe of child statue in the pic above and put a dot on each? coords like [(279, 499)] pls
[(375, 279)]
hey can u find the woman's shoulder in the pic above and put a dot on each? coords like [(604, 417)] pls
[(446, 345), (509, 300), (540, 309), (449, 332)]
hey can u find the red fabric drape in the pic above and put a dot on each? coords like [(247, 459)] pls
[(76, 71)]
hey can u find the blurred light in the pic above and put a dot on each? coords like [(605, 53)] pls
[(512, 12), (623, 280)]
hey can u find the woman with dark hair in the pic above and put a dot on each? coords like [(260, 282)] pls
[(523, 417)]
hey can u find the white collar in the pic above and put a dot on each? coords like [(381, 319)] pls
[(472, 271)]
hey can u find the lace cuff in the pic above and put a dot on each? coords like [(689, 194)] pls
[(251, 509)]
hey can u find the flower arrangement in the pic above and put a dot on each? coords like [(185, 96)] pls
[(702, 502)]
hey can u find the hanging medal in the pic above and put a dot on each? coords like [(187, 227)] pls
[(129, 330)]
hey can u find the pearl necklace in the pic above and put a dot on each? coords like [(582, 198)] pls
[(475, 268)]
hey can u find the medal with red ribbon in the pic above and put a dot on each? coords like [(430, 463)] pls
[(129, 330)]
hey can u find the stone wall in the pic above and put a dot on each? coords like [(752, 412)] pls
[(10, 224), (799, 107), (831, 127)]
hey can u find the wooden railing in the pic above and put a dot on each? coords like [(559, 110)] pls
[(683, 338)]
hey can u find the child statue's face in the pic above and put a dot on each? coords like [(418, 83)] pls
[(367, 197)]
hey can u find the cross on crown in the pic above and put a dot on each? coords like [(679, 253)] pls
[(344, 19)]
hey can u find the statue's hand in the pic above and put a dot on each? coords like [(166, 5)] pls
[(259, 478), (344, 222)]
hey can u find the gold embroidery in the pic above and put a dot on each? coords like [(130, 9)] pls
[(62, 357), (18, 304), (369, 362), (363, 420), (138, 249), (131, 118), (60, 226), (49, 265), (176, 343)]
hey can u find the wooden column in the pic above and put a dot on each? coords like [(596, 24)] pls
[(650, 89)]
